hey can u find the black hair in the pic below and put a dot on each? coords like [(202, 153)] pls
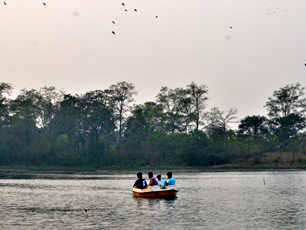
[(139, 174)]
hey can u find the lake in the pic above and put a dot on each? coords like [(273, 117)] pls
[(206, 200)]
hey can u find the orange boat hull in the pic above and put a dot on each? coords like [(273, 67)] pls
[(155, 192)]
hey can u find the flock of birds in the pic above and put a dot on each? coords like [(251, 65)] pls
[(113, 32), (123, 4)]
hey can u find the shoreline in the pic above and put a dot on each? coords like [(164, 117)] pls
[(115, 170), (268, 161)]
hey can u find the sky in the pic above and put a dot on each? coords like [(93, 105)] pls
[(242, 50)]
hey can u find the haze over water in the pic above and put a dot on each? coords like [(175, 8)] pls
[(218, 200)]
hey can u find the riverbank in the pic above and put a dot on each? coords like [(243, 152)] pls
[(265, 161), (268, 160)]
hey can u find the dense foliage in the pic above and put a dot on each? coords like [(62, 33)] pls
[(104, 128)]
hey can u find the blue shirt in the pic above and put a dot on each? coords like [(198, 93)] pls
[(171, 181)]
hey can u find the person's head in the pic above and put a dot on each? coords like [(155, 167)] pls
[(139, 175), (169, 174), (158, 176), (150, 174)]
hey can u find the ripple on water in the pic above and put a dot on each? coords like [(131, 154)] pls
[(223, 200)]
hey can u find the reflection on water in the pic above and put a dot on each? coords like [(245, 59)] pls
[(220, 200), (160, 210)]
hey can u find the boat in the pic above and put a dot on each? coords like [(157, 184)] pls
[(155, 191)]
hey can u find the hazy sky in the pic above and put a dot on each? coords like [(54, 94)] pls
[(242, 50)]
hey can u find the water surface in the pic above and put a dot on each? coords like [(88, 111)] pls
[(206, 200)]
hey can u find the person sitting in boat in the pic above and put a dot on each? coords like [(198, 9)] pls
[(171, 180), (140, 183), (160, 181), (153, 181)]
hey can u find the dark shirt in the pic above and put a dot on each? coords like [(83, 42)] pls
[(140, 183)]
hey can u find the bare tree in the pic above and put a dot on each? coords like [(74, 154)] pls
[(198, 103), (122, 95), (221, 120)]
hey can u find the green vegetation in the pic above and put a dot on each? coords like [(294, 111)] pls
[(102, 128)]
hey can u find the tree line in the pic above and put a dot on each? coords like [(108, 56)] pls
[(104, 127)]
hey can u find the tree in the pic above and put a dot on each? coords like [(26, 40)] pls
[(122, 95), (97, 113), (286, 109), (175, 105), (195, 149), (49, 105), (287, 128), (254, 126), (218, 121), (154, 116), (5, 88), (287, 100), (136, 132), (198, 103), (254, 136), (32, 113), (70, 121), (137, 123)]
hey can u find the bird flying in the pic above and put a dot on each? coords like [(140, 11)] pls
[(4, 3), (113, 22), (123, 4), (135, 10), (113, 32), (44, 3)]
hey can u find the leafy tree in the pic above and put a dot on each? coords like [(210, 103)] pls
[(162, 148), (97, 113), (136, 132), (32, 113), (154, 116), (287, 100), (196, 149), (255, 126), (137, 124), (285, 129), (149, 115), (70, 121), (294, 146), (286, 109), (5, 88), (25, 111), (175, 105), (27, 105), (64, 152), (142, 129)]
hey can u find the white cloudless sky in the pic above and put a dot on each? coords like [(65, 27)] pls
[(242, 50)]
